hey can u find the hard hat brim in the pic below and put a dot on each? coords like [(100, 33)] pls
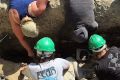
[(99, 50)]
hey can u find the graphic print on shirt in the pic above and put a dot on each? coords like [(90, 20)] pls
[(47, 74), (114, 61)]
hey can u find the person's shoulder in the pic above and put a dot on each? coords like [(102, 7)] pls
[(114, 49), (61, 60), (58, 59), (32, 64), (11, 10)]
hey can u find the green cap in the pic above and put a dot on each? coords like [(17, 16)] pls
[(45, 44), (96, 41)]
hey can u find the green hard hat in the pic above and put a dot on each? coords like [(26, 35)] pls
[(45, 44), (96, 41)]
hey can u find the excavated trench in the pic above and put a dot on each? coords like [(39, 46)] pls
[(16, 53), (11, 55), (11, 50), (107, 15), (64, 48)]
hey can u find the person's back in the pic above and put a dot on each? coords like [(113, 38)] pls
[(20, 17), (50, 70), (107, 60), (21, 6), (108, 67), (47, 68)]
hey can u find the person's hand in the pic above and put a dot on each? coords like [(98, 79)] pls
[(31, 54), (23, 64)]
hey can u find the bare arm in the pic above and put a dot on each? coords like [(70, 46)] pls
[(15, 24)]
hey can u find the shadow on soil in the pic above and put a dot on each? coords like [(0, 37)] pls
[(15, 56)]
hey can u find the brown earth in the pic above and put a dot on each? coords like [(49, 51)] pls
[(50, 24), (9, 69)]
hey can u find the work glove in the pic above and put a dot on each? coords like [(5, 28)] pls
[(54, 3)]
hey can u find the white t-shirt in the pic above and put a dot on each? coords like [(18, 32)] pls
[(51, 70)]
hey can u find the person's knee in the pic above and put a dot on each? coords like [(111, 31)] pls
[(80, 34), (42, 7), (94, 25)]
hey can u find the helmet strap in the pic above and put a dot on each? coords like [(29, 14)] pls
[(42, 56)]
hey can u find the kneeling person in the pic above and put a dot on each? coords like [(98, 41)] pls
[(47, 68), (107, 59)]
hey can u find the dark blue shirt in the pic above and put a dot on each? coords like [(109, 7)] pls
[(21, 6)]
